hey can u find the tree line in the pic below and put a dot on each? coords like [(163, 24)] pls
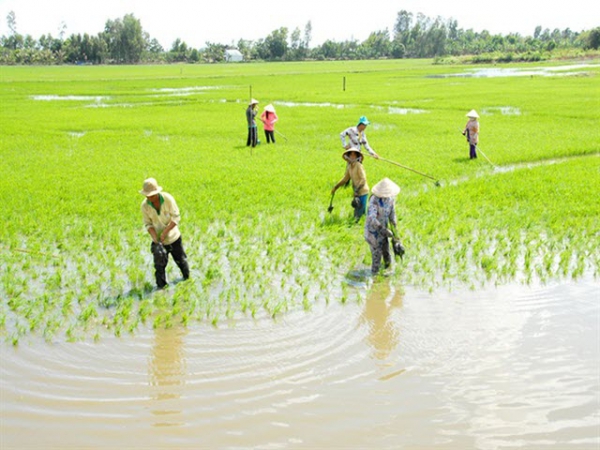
[(124, 41)]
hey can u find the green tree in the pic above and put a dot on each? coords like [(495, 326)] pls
[(11, 21), (307, 34), (125, 39), (403, 26), (277, 44), (179, 51), (245, 48), (377, 45), (592, 40), (214, 52)]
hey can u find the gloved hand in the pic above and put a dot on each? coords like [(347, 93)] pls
[(388, 233), (160, 254), (398, 247)]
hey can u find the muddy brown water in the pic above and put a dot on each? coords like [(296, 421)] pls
[(507, 367)]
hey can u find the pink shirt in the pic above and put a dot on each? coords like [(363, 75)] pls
[(473, 127), (269, 124)]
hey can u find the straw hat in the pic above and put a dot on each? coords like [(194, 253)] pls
[(253, 102), (151, 188), (270, 108), (386, 188), (350, 150), (473, 114)]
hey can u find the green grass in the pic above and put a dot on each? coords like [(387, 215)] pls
[(76, 259)]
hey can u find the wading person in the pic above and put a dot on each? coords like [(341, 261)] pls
[(268, 118), (251, 112), (355, 172), (381, 212), (161, 218), (356, 136), (471, 131)]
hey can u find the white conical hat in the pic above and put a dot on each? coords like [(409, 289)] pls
[(270, 108), (386, 188), (473, 113), (253, 102)]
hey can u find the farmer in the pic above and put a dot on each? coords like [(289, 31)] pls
[(471, 131), (381, 212), (357, 137), (268, 118), (161, 218), (251, 112), (355, 172)]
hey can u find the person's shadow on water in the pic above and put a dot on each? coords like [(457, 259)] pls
[(381, 301), (167, 375)]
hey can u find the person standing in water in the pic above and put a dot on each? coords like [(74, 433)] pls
[(161, 219), (381, 212), (355, 172)]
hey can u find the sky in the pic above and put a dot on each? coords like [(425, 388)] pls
[(226, 21)]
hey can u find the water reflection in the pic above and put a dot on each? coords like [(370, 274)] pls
[(383, 334), (168, 373)]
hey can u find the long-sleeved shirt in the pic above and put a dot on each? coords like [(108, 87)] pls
[(250, 116), (472, 131), (356, 172), (159, 220), (269, 119), (380, 212), (356, 138)]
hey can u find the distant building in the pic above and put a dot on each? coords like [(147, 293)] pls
[(233, 55)]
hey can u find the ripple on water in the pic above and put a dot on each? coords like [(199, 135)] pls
[(504, 367)]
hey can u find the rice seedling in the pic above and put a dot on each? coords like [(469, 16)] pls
[(255, 226)]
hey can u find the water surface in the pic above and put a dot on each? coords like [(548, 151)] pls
[(507, 367)]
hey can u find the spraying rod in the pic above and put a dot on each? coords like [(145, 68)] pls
[(484, 155), (437, 182)]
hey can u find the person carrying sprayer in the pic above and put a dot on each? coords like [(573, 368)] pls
[(381, 212), (161, 219), (357, 137), (355, 172), (251, 112), (471, 131)]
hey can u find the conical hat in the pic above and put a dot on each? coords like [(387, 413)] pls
[(473, 114), (356, 150), (270, 108), (253, 102), (386, 188)]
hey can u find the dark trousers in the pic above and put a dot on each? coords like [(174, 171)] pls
[(252, 137), (472, 151), (379, 252), (160, 264), (270, 136)]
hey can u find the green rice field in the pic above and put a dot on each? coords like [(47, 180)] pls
[(77, 143)]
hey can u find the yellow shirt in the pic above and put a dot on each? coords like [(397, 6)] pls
[(159, 220), (356, 172)]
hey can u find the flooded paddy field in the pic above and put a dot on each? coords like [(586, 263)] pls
[(485, 335)]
